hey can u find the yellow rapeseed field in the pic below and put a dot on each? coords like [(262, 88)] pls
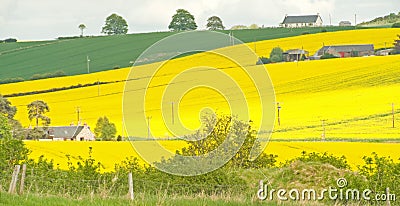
[(111, 153), (338, 98)]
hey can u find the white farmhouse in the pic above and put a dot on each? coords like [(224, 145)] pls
[(302, 21), (71, 133)]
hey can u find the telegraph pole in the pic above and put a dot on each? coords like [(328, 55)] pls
[(393, 115), (88, 64), (148, 126), (255, 45), (172, 112), (324, 130), (78, 111), (279, 117), (98, 87), (355, 21)]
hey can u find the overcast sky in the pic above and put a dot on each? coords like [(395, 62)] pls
[(49, 19)]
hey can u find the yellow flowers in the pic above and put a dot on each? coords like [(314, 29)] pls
[(111, 153), (326, 99)]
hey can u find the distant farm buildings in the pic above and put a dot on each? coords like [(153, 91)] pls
[(302, 21), (345, 23), (295, 55), (345, 51)]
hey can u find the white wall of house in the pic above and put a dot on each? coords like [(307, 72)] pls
[(85, 135)]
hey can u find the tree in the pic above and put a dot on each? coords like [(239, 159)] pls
[(216, 133), (82, 27), (105, 130), (397, 43), (254, 26), (182, 21), (5, 128), (115, 24), (396, 25), (37, 111), (276, 55), (6, 109), (214, 23), (9, 111), (239, 27)]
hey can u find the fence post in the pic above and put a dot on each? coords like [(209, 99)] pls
[(14, 179), (130, 180), (387, 197), (21, 186)]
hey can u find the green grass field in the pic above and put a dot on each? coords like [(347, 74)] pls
[(24, 59)]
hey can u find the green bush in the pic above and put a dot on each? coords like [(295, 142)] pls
[(11, 80), (338, 162), (263, 60), (396, 25), (48, 75), (276, 55)]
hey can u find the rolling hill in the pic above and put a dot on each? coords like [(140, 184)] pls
[(24, 59)]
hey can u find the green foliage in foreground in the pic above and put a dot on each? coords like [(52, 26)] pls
[(236, 183)]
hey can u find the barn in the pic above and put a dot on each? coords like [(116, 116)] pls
[(346, 51)]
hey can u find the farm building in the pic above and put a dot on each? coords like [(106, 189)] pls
[(346, 51), (345, 23), (71, 133), (302, 21), (384, 52), (295, 55)]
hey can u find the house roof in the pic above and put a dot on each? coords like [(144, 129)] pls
[(296, 51), (350, 48), (301, 19), (65, 131)]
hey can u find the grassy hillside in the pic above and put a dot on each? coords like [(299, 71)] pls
[(385, 21), (24, 59)]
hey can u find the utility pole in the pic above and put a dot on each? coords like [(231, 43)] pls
[(172, 112), (98, 87), (279, 117), (255, 45), (324, 130), (393, 115), (330, 20), (88, 64), (148, 127), (355, 21), (122, 133), (78, 110)]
